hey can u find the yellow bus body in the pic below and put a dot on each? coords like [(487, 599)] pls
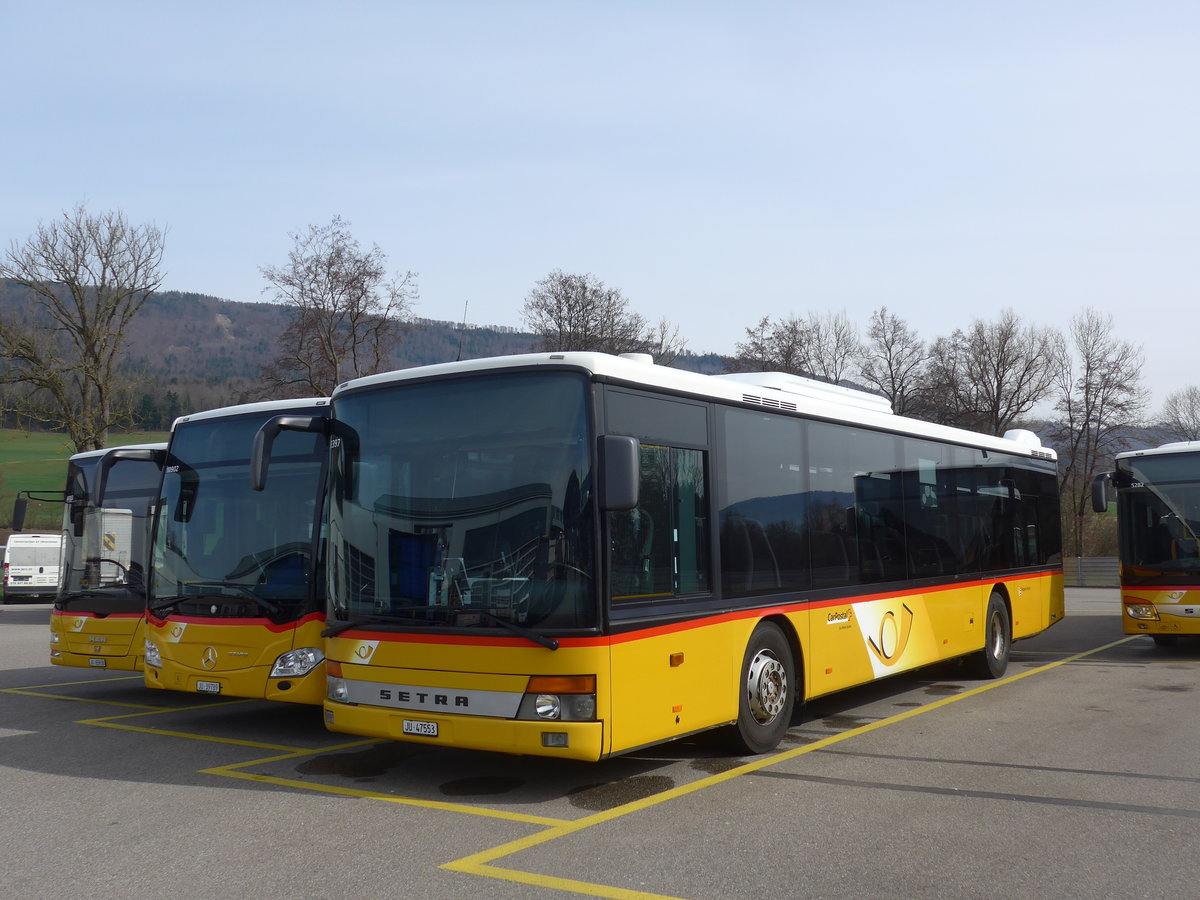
[(90, 641), (1160, 611), (233, 658), (668, 681)]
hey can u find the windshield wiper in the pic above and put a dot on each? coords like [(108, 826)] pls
[(115, 591), (393, 622), (240, 593), (358, 623), (529, 634)]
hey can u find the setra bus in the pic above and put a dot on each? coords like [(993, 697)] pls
[(580, 555), (99, 614), (1158, 538), (236, 601)]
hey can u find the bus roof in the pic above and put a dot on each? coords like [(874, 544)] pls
[(243, 409), (1163, 450), (771, 390), (88, 454)]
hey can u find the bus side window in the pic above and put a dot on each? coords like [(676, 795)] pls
[(660, 548)]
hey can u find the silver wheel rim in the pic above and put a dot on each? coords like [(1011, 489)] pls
[(997, 637), (766, 686)]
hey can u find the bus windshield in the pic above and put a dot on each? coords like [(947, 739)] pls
[(1160, 518), (104, 540), (223, 550), (463, 504)]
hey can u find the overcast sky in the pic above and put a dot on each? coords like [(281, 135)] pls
[(716, 162)]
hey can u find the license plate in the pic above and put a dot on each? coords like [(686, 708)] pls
[(424, 729), (97, 663), (208, 687)]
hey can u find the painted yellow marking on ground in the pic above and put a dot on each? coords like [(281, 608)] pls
[(479, 863), (108, 722), (24, 693), (56, 684)]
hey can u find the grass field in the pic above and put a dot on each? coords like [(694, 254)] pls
[(37, 461)]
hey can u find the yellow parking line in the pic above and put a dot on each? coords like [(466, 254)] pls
[(479, 863), (26, 693), (38, 687), (108, 722)]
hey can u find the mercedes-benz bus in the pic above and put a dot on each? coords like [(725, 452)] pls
[(1158, 537), (580, 555), (236, 600), (99, 559)]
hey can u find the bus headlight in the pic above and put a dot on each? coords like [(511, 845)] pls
[(55, 637), (1141, 610), (335, 689), (295, 663), (153, 656), (560, 699)]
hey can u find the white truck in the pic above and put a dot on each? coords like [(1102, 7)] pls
[(31, 566)]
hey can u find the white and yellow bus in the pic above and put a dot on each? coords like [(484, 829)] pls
[(99, 613), (1158, 533), (579, 555), (236, 600)]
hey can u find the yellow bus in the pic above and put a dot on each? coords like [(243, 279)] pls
[(1158, 534), (579, 555), (236, 601), (99, 609)]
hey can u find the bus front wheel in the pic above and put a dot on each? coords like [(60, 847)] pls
[(766, 692), (992, 660)]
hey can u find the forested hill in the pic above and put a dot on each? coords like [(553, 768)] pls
[(201, 352)]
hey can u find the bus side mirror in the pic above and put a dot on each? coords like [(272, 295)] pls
[(112, 457), (264, 439), (619, 469), (1100, 492), (18, 519)]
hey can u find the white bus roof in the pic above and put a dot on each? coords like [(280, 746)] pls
[(1164, 450), (772, 390), (248, 408), (88, 454)]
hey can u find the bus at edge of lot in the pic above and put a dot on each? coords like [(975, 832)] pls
[(99, 614), (1158, 538), (580, 555), (236, 601)]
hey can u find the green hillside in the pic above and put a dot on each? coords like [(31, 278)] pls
[(37, 461)]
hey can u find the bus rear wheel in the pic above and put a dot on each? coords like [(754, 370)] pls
[(766, 691), (992, 660)]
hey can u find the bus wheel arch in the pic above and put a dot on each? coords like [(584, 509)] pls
[(767, 687), (992, 660)]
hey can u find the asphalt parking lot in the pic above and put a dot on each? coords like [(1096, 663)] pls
[(1074, 776)]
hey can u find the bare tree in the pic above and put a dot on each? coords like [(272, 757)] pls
[(1180, 417), (87, 276), (666, 343), (579, 312), (779, 346), (347, 315), (989, 376), (892, 360), (817, 346), (833, 346), (1100, 399)]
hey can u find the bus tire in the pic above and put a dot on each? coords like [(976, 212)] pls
[(992, 660), (766, 693)]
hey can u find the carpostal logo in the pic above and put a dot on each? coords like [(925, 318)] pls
[(886, 627), (839, 616)]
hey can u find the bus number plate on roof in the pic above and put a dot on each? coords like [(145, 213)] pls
[(208, 687), (424, 729)]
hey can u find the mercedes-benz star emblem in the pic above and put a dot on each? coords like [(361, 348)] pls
[(209, 657)]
